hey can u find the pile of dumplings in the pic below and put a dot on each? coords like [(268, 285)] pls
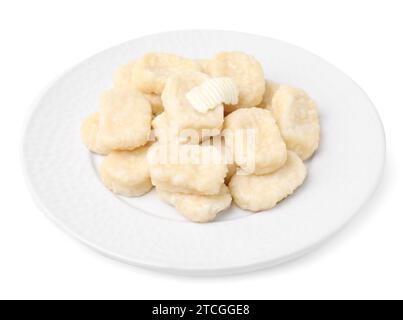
[(226, 93)]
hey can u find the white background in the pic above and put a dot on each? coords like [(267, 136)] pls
[(40, 39)]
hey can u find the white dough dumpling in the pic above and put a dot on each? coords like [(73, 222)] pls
[(123, 76), (125, 119), (271, 88), (123, 79), (167, 131), (198, 208), (258, 193), (151, 72), (89, 134), (247, 73), (179, 109), (126, 172), (267, 152), (192, 169), (297, 117)]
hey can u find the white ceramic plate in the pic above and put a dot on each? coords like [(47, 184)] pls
[(62, 174)]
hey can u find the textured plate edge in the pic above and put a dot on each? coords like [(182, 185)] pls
[(245, 268)]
